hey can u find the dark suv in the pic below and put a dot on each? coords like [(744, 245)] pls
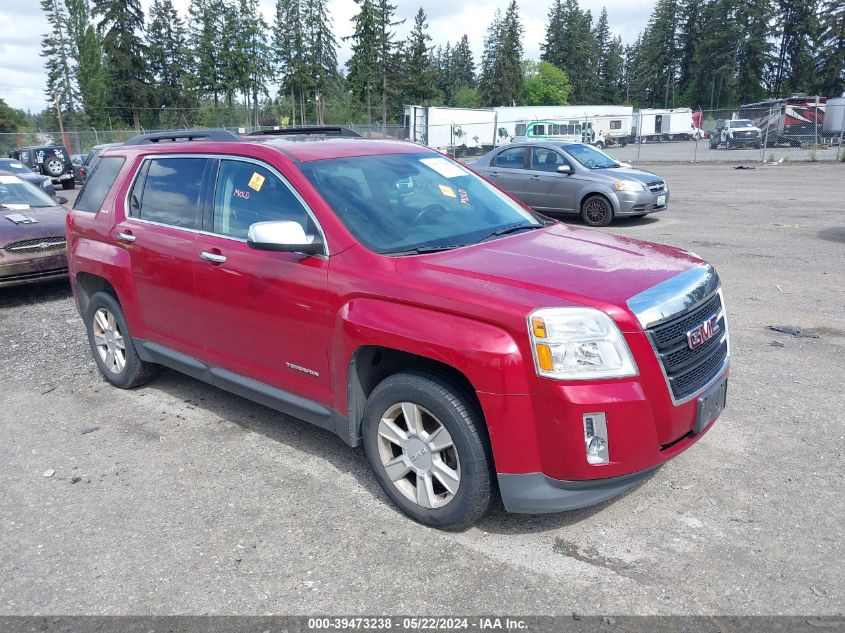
[(386, 293), (52, 161)]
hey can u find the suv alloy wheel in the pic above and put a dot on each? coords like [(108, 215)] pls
[(423, 440)]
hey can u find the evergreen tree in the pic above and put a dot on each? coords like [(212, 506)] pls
[(87, 53), (290, 46), (571, 45), (463, 65), (57, 53), (205, 24), (363, 64), (418, 70), (501, 66), (795, 68), (657, 58), (167, 54), (614, 69), (689, 39), (121, 23), (753, 49), (321, 53), (388, 52), (831, 66), (442, 59)]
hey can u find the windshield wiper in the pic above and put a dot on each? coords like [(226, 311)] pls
[(422, 250), (510, 229)]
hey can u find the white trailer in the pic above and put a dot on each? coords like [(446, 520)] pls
[(672, 124), (469, 130), (588, 123), (456, 129)]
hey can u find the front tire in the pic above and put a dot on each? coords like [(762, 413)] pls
[(112, 346), (596, 211), (425, 443)]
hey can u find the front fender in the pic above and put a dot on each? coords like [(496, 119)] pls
[(487, 355)]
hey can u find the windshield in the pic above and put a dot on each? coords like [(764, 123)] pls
[(398, 203), (741, 123), (590, 157), (17, 194), (13, 166)]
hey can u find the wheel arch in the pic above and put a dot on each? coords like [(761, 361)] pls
[(611, 199), (372, 364)]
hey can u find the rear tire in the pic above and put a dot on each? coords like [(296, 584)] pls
[(112, 346), (596, 211), (425, 442)]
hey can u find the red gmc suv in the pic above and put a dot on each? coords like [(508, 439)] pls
[(387, 293)]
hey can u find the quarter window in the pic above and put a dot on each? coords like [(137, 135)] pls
[(98, 184), (513, 158), (168, 191), (248, 193)]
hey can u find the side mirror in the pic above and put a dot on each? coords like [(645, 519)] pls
[(61, 199), (283, 237), (564, 169)]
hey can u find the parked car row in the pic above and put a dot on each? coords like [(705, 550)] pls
[(382, 291)]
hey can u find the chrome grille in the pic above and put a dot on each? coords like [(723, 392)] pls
[(688, 370), (657, 185), (40, 245)]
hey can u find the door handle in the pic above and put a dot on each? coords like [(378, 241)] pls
[(214, 258), (126, 236), (535, 177)]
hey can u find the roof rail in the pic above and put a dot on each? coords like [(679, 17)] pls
[(174, 136), (314, 130)]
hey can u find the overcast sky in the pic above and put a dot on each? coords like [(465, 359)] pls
[(22, 24)]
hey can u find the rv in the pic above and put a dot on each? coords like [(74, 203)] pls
[(466, 130), (673, 124), (791, 121)]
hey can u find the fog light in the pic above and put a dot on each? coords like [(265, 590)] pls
[(595, 438)]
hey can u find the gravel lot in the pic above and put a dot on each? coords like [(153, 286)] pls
[(686, 151), (191, 500)]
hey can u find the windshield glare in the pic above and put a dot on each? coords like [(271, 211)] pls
[(400, 202), (741, 123), (15, 192), (589, 156)]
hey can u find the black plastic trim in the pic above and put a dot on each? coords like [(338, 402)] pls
[(272, 397), (178, 136), (535, 493)]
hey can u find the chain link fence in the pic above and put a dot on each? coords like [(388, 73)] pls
[(775, 131)]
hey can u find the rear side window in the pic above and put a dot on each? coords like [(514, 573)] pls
[(168, 191), (98, 184)]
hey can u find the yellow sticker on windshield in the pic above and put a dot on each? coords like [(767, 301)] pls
[(257, 181), (447, 191)]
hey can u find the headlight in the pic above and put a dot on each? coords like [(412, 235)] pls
[(628, 185), (578, 344)]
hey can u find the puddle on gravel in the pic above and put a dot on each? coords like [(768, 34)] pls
[(833, 234)]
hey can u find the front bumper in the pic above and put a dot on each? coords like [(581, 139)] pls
[(534, 493), (642, 202), (18, 270)]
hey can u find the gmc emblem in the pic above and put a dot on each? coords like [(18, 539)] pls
[(700, 334)]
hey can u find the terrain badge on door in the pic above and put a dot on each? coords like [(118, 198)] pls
[(304, 370)]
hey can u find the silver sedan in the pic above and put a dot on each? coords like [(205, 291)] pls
[(559, 177)]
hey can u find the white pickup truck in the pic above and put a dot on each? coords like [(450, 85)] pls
[(736, 133)]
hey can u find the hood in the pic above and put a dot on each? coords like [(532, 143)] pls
[(626, 173), (49, 222), (557, 266), (35, 179)]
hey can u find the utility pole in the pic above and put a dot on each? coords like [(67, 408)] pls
[(59, 116)]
